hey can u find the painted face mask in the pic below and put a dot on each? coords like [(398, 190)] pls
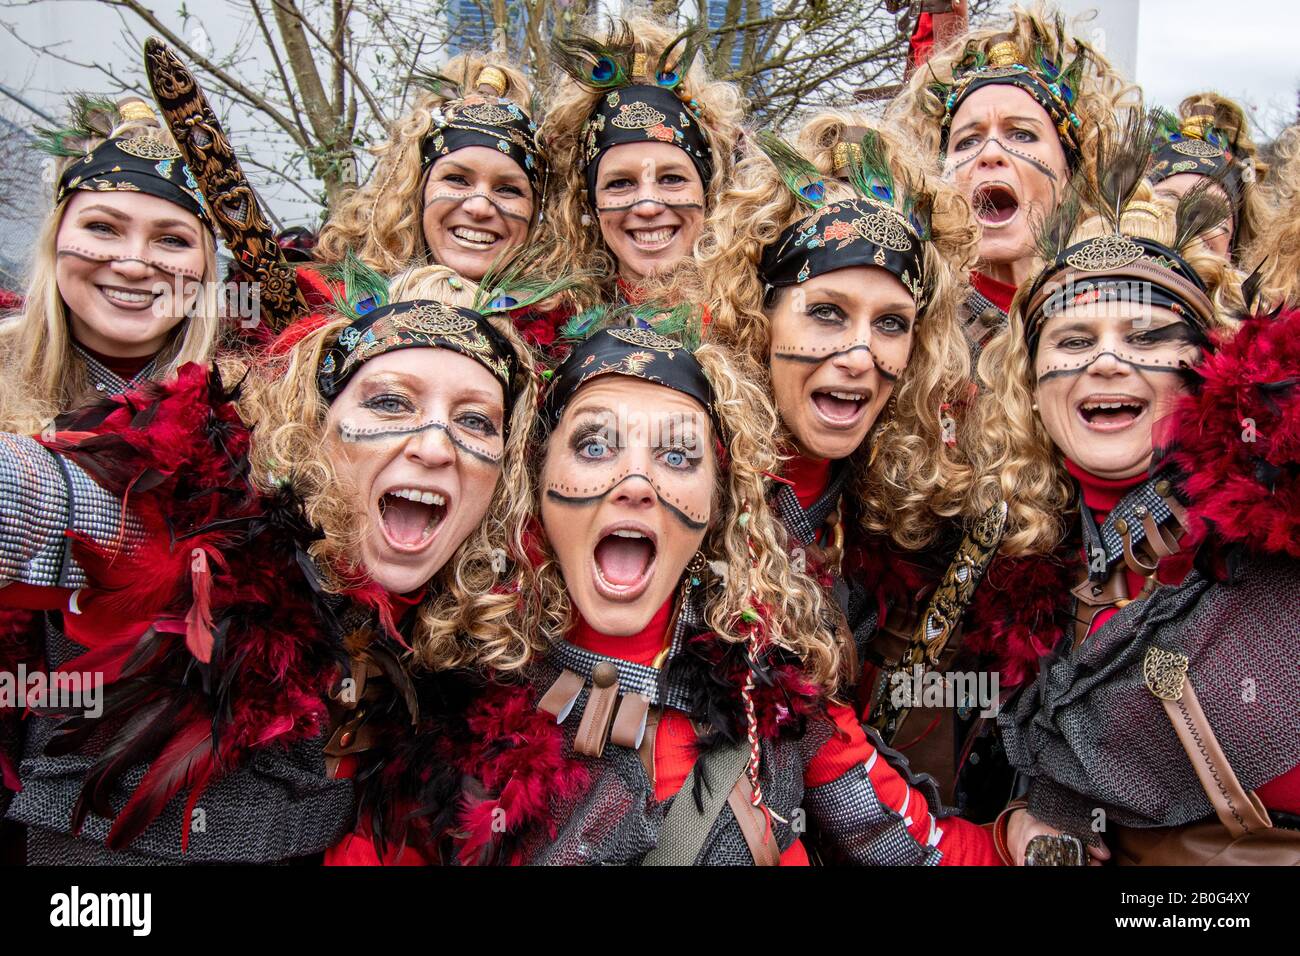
[(628, 486), (629, 476), (839, 343), (417, 434)]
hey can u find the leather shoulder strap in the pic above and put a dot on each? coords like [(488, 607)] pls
[(1166, 677)]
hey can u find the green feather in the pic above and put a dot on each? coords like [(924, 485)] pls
[(363, 288), (869, 172), (597, 64), (516, 283), (690, 41), (680, 323), (90, 118), (800, 176)]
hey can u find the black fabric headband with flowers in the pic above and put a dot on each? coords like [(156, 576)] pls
[(867, 230), (419, 323), (639, 114), (137, 164), (639, 104), (635, 352), (1052, 86), (497, 123)]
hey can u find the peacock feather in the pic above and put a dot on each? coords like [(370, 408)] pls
[(690, 42), (680, 323), (90, 118), (599, 65), (518, 283), (356, 288), (801, 176)]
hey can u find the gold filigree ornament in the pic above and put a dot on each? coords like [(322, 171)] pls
[(884, 228), (645, 339), (435, 319), (138, 112), (489, 114), (145, 147), (1197, 147), (1105, 252), (638, 115), (1165, 672), (493, 77)]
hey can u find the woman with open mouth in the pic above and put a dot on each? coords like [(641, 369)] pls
[(1014, 111), (247, 598), (458, 183), (641, 140), (1155, 640), (682, 647), (837, 272)]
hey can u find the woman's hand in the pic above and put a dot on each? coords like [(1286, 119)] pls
[(1023, 826)]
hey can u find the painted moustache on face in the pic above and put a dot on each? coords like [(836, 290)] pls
[(628, 485)]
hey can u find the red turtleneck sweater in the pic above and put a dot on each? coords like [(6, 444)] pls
[(808, 476), (999, 293)]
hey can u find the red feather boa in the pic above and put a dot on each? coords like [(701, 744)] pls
[(1015, 617), (1237, 439), (225, 612), (517, 752)]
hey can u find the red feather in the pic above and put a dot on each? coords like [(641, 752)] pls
[(1237, 439)]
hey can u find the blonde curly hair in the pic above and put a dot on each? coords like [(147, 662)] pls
[(472, 614), (41, 376), (797, 616), (1016, 458), (569, 217), (1275, 248), (381, 222), (906, 478), (920, 110), (1228, 117)]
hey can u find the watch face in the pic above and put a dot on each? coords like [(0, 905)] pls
[(1063, 850)]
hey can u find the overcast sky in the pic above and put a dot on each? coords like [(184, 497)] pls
[(1246, 49)]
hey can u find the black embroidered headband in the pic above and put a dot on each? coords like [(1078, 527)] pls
[(867, 230), (634, 352), (1053, 87), (482, 121), (418, 323), (640, 114), (136, 164)]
